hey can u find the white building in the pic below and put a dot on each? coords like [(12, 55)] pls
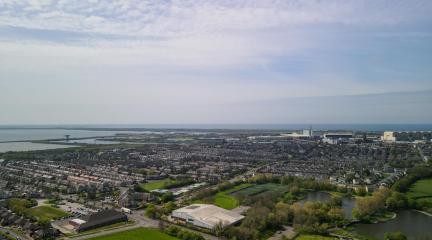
[(206, 215)]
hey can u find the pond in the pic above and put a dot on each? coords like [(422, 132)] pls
[(347, 203), (413, 224)]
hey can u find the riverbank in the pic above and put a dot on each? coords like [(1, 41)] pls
[(423, 212), (383, 217)]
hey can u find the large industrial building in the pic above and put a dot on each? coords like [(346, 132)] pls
[(206, 216), (98, 219), (408, 136)]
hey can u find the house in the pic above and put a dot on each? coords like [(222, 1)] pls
[(206, 216)]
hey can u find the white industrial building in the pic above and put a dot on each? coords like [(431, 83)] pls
[(407, 136), (206, 215)]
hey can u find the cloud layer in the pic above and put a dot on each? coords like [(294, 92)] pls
[(147, 57)]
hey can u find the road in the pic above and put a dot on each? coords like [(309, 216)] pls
[(140, 221)]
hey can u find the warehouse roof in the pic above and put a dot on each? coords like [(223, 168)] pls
[(210, 214)]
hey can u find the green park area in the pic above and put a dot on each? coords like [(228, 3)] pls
[(229, 199), (421, 190), (313, 237), (160, 184), (137, 234), (261, 188), (29, 209), (46, 212), (165, 183)]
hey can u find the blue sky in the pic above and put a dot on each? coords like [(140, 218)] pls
[(142, 61)]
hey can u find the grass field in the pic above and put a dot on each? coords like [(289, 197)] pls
[(421, 189), (137, 234), (46, 212), (313, 237), (257, 189), (157, 184), (226, 201)]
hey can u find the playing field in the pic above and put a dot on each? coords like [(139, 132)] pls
[(421, 189), (257, 189), (137, 234), (46, 212), (225, 200), (313, 237), (157, 184)]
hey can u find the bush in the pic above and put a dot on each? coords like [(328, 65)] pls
[(182, 234)]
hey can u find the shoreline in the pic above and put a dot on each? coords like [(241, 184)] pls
[(423, 212)]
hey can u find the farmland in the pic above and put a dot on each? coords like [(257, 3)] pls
[(137, 234)]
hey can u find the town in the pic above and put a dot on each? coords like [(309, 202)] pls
[(199, 183)]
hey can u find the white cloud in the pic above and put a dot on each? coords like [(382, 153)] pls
[(180, 18)]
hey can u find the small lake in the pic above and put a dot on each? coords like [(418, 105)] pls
[(347, 203), (413, 224), (28, 146)]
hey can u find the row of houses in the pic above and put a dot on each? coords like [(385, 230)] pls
[(9, 218)]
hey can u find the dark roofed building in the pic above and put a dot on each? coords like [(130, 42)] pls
[(101, 219)]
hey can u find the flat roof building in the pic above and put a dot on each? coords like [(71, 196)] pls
[(99, 219), (406, 136), (206, 215)]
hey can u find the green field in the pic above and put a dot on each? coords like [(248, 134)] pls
[(157, 184), (46, 212), (226, 201), (137, 234), (313, 237), (422, 189), (257, 189)]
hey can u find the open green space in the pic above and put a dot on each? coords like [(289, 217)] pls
[(257, 189), (165, 183), (229, 198), (313, 237), (226, 201), (46, 212), (137, 234), (157, 184), (421, 189)]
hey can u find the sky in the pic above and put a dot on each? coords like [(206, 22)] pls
[(225, 62)]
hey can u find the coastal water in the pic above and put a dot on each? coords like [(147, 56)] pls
[(25, 135), (315, 126), (7, 134), (29, 146)]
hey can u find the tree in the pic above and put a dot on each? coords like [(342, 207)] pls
[(166, 197), (336, 201), (168, 207), (151, 211)]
